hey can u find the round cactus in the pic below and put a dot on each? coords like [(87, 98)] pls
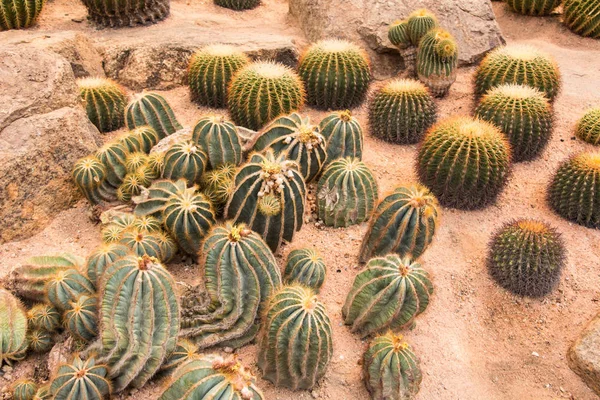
[(113, 155), (81, 320), (88, 174), (238, 5), (185, 159), (43, 316), (261, 91), (437, 61), (168, 246), (67, 286), (43, 393), (582, 17), (305, 267), (343, 136), (403, 223), (121, 13), (521, 65), (401, 111), (391, 370), (388, 294), (464, 162), (19, 14), (217, 185), (148, 224), (81, 380), (141, 139), (588, 127), (158, 194), (13, 329), (24, 389), (219, 139), (295, 344), (347, 193), (132, 185), (104, 102), (210, 71), (135, 161), (399, 36), (533, 7), (156, 165), (142, 243), (40, 341), (184, 351), (574, 191), (111, 234), (419, 23), (151, 109)]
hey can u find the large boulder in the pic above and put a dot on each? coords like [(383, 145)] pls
[(584, 355)]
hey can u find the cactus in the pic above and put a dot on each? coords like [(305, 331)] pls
[(123, 220), (134, 161), (139, 319), (437, 61), (185, 159), (217, 185), (43, 393), (388, 294), (298, 139), (156, 165), (347, 193), (343, 136), (81, 380), (142, 243), (262, 91), (111, 234), (148, 224), (158, 194), (121, 13), (588, 127), (212, 375), (151, 109), (81, 320), (19, 14), (141, 139), (533, 7), (113, 155), (13, 329), (43, 316), (391, 370), (210, 71), (265, 174), (184, 351), (419, 23), (168, 246), (306, 267), (582, 17), (88, 174), (133, 184), (24, 389), (401, 111), (464, 162), (238, 5), (521, 65), (104, 102), (336, 74), (40, 341), (219, 139), (399, 37), (526, 257), (67, 286), (574, 191)]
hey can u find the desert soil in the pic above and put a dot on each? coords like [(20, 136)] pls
[(475, 341)]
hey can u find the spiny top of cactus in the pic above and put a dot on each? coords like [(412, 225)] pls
[(521, 52), (239, 231), (269, 205), (445, 44), (589, 161), (220, 50), (146, 263), (474, 129), (274, 172), (239, 376), (398, 341), (404, 86), (271, 70), (94, 82), (337, 46), (515, 91), (309, 134), (532, 225), (421, 12)]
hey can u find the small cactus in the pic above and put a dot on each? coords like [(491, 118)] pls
[(80, 379), (24, 389), (533, 7), (13, 329), (135, 161), (262, 91), (142, 243), (219, 139), (305, 267), (19, 14), (336, 74), (122, 13), (113, 155), (132, 186), (464, 162), (158, 194), (388, 294), (184, 351), (582, 17), (343, 136), (141, 139), (419, 23), (44, 316), (295, 343), (81, 319), (67, 286), (185, 159), (437, 61), (238, 5), (217, 185), (168, 246), (156, 165), (399, 37), (148, 224), (40, 341), (401, 111), (588, 127), (43, 393), (104, 102), (88, 174), (151, 109)]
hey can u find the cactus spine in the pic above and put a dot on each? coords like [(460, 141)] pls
[(238, 5), (43, 316), (588, 127), (19, 14), (220, 141), (81, 320), (185, 159), (67, 286), (81, 380), (104, 103), (121, 13), (437, 61), (24, 389), (305, 267), (533, 7), (343, 136), (13, 329), (582, 17), (151, 109)]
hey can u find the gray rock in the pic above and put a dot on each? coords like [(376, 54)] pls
[(584, 355), (176, 137)]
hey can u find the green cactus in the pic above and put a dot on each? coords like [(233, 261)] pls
[(67, 286), (88, 174), (185, 159), (210, 71), (388, 294), (81, 319), (464, 162), (13, 329), (526, 257), (238, 5), (305, 267), (347, 193), (523, 114), (104, 102), (262, 91), (265, 174), (113, 155), (168, 246), (437, 61), (582, 17), (391, 370), (122, 13), (142, 243), (81, 380), (111, 234), (40, 341), (43, 393), (574, 191), (141, 139), (419, 23), (139, 319), (123, 220), (298, 140), (399, 36), (135, 161), (533, 7), (156, 165), (43, 316), (23, 389), (132, 186), (343, 136), (19, 14), (217, 185), (151, 109), (117, 226), (158, 195), (184, 351), (401, 111), (214, 376), (148, 224), (521, 65), (219, 139), (588, 127)]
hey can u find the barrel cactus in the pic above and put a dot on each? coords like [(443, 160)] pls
[(588, 127), (142, 243), (88, 174), (43, 393), (13, 329), (399, 37), (184, 351), (44, 316), (143, 139), (391, 370), (261, 91), (261, 176), (305, 267), (157, 196), (19, 14), (81, 379), (295, 343), (582, 17), (151, 109), (135, 160), (210, 71), (217, 185), (574, 191), (148, 224), (40, 340), (185, 159), (533, 7), (219, 139), (336, 74), (104, 102), (388, 294), (464, 162), (401, 111), (81, 319), (67, 286), (238, 5), (419, 23), (121, 13), (113, 155), (343, 135), (437, 61), (24, 389)]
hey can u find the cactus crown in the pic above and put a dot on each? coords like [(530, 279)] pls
[(445, 46), (92, 82)]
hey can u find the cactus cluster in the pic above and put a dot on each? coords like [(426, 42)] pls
[(582, 17), (588, 127), (81, 379), (13, 329), (185, 159), (305, 267), (19, 14), (437, 61), (44, 316), (151, 109), (533, 7), (66, 287), (343, 135), (219, 139), (121, 13), (104, 102), (407, 34), (217, 185)]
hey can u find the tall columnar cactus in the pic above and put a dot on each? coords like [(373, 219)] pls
[(104, 102), (305, 267), (523, 114), (391, 370), (261, 91), (343, 136), (336, 74), (43, 316), (157, 197), (40, 340), (588, 127), (88, 174), (121, 13), (143, 139), (81, 379), (295, 343), (269, 175), (101, 258), (388, 294), (151, 109), (212, 375), (582, 17), (403, 223), (437, 61), (518, 64), (184, 351), (142, 243), (238, 5), (217, 185), (67, 286), (13, 329), (24, 389), (139, 319), (219, 139), (574, 191), (533, 7), (210, 71), (298, 140), (347, 193), (113, 155), (81, 319), (185, 159), (401, 111), (464, 162), (19, 14), (526, 257)]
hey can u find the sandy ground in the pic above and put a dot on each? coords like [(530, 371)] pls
[(475, 340)]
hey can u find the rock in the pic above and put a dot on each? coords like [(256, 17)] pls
[(175, 137), (584, 355), (60, 354)]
